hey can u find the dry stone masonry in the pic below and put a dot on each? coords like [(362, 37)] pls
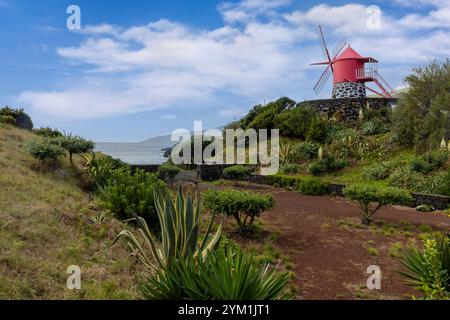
[(348, 90)]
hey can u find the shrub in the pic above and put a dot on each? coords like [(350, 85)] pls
[(76, 145), (429, 162), (313, 187), (316, 169), (243, 206), (237, 173), (126, 193), (8, 120), (226, 274), (295, 122), (303, 152), (329, 164), (283, 181), (48, 132), (437, 184), (180, 232), (101, 169), (289, 168), (407, 179), (379, 171), (168, 171), (317, 130), (429, 270), (21, 119), (45, 150), (346, 144), (371, 128), (371, 198)]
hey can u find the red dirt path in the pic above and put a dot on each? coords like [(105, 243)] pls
[(329, 247)]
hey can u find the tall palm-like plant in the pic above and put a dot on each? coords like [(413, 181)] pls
[(179, 220)]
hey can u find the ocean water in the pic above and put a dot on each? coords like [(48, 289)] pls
[(134, 153)]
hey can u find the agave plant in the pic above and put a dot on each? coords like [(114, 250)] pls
[(227, 274), (429, 270), (285, 152), (179, 220)]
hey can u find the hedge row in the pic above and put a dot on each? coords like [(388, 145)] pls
[(305, 185)]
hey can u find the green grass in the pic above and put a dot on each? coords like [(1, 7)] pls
[(45, 226)]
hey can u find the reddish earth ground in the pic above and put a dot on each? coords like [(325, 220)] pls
[(329, 247)]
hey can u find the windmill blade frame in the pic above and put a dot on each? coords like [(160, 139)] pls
[(338, 48), (323, 80)]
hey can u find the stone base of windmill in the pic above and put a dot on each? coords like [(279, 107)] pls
[(349, 90)]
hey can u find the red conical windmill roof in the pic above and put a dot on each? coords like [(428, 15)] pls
[(349, 53)]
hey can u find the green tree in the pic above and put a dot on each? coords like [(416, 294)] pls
[(265, 118), (295, 123), (76, 145), (371, 198), (422, 116)]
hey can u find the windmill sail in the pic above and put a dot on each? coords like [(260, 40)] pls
[(323, 44), (323, 80), (338, 48)]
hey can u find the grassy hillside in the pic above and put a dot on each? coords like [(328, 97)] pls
[(46, 225)]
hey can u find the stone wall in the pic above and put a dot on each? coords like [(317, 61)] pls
[(436, 201), (348, 109), (348, 90)]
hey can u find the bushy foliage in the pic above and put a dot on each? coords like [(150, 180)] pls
[(168, 171), (328, 165), (370, 128), (48, 132), (76, 145), (102, 168), (346, 144), (436, 184), (407, 179), (243, 206), (372, 198), (421, 118), (313, 187), (307, 186), (283, 181), (47, 151), (126, 193), (266, 116), (226, 274), (289, 168), (238, 172), (21, 119), (380, 171), (295, 123), (429, 269), (303, 151), (317, 130), (429, 162), (9, 120)]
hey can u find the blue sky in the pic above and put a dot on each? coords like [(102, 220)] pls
[(138, 69)]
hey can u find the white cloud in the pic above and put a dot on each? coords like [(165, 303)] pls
[(260, 52)]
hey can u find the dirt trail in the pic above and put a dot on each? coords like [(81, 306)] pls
[(330, 248)]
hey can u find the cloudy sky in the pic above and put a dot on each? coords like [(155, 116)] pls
[(137, 69)]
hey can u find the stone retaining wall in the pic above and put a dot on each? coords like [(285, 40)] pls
[(348, 109)]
